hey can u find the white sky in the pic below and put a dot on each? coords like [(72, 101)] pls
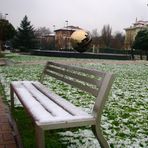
[(87, 14)]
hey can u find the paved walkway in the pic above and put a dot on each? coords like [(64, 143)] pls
[(7, 134)]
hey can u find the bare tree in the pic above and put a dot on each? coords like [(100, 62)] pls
[(106, 35), (42, 31), (118, 41), (95, 33), (95, 39), (42, 34)]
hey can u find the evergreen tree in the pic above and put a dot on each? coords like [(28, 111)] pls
[(141, 41), (25, 38)]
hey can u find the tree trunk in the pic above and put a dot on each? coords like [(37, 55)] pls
[(1, 49), (141, 58), (132, 54), (1, 43)]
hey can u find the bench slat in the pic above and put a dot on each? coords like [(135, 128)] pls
[(74, 121), (81, 86), (60, 101), (48, 104), (29, 102), (27, 95), (78, 69), (66, 72)]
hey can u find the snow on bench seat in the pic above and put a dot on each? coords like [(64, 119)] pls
[(47, 107)]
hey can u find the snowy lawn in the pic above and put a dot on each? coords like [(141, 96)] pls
[(125, 117)]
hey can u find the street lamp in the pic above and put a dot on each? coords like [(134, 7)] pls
[(66, 35), (66, 23)]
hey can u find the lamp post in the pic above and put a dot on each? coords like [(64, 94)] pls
[(66, 23), (66, 35), (6, 15)]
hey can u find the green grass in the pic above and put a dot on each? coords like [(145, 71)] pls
[(27, 131), (124, 119)]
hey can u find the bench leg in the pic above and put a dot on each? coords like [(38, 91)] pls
[(40, 140), (12, 99), (98, 133)]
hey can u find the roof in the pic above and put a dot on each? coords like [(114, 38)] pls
[(71, 28), (138, 24), (49, 35)]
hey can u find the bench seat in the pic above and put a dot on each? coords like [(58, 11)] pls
[(47, 108)]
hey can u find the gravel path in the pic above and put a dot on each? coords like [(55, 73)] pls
[(87, 61), (80, 61)]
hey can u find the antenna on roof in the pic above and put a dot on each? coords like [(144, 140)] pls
[(136, 20)]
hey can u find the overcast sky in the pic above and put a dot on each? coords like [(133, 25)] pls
[(87, 14)]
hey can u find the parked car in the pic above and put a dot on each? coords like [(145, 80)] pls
[(8, 46)]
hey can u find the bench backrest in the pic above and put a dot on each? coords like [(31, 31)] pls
[(92, 81)]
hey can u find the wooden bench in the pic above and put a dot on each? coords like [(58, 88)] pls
[(50, 111)]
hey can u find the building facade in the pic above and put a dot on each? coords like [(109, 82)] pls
[(47, 41), (62, 37), (132, 31)]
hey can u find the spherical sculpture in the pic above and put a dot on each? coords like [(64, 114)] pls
[(80, 40)]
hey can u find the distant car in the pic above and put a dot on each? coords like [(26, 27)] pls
[(8, 47)]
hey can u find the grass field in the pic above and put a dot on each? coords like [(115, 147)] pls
[(125, 117)]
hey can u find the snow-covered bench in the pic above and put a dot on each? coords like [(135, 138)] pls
[(50, 111)]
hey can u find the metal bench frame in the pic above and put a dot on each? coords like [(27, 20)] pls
[(56, 112)]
